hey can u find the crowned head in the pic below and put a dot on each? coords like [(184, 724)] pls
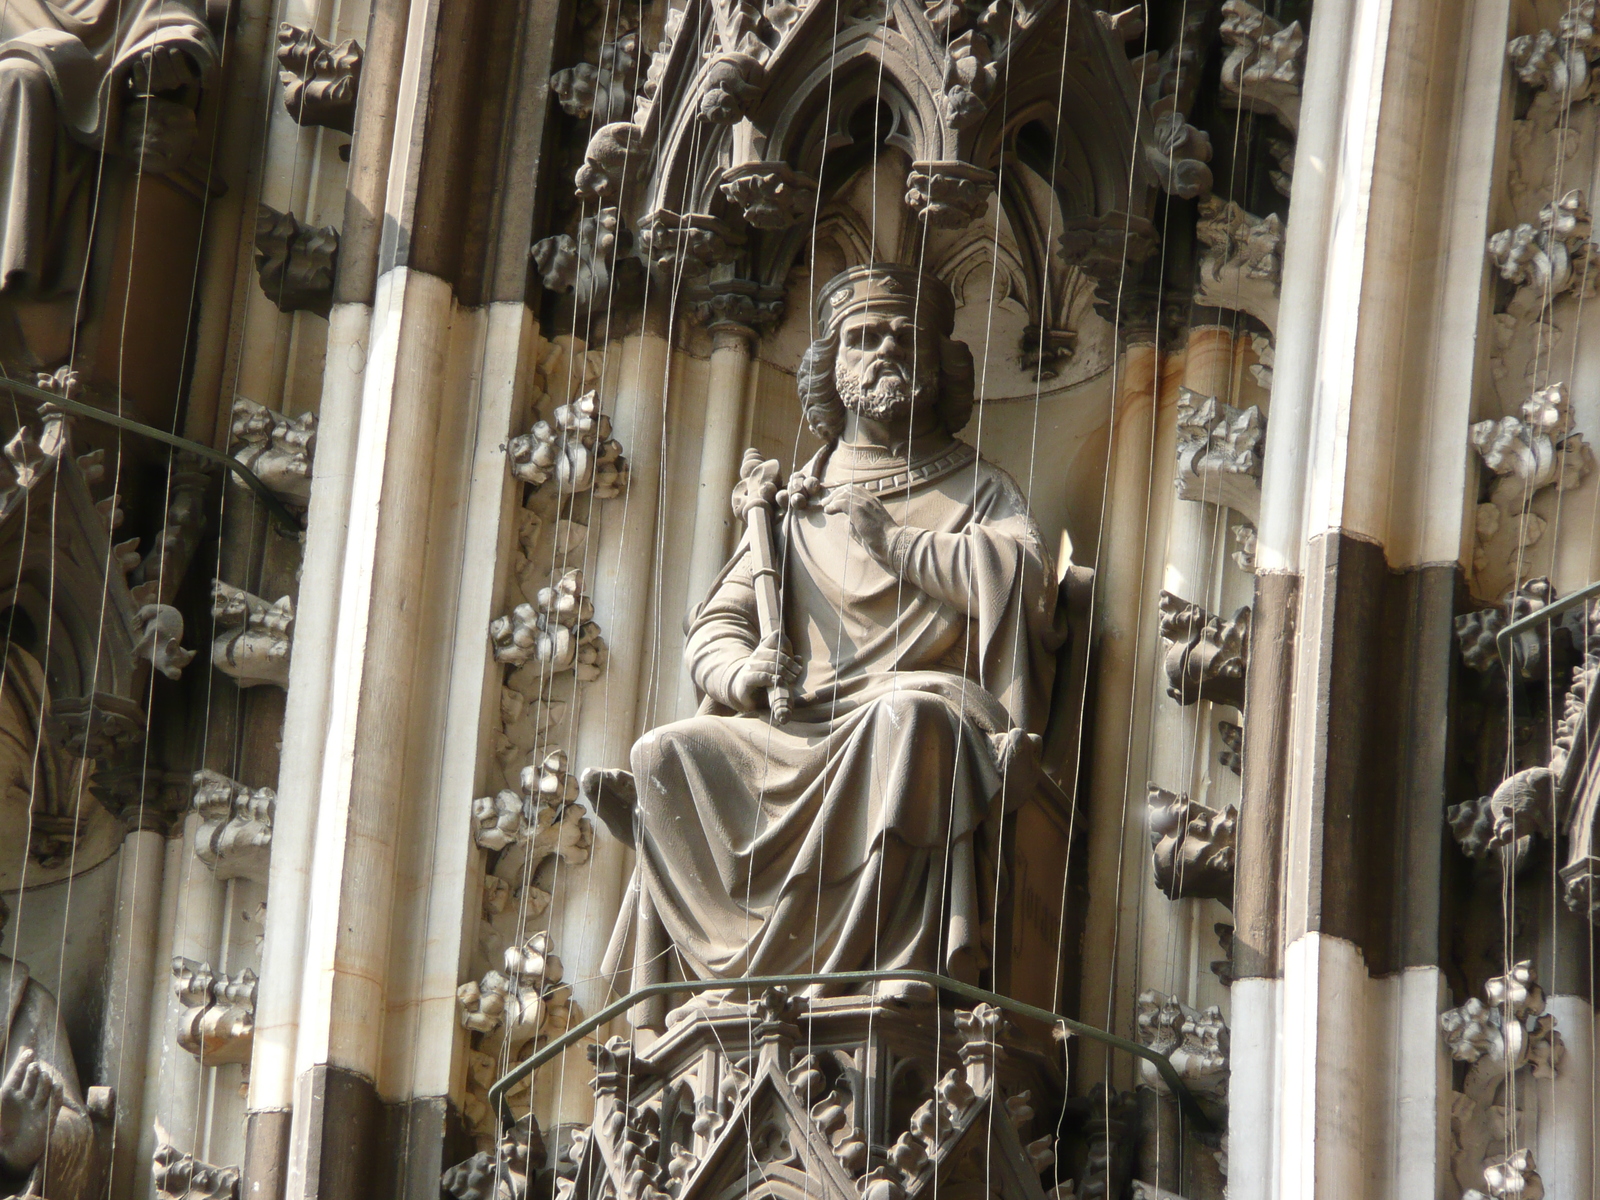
[(885, 352)]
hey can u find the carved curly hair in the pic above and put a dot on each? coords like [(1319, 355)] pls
[(824, 411)]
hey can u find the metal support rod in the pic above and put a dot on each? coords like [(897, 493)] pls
[(545, 1053), (79, 409), (1549, 612)]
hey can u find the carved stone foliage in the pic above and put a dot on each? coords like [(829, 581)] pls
[(556, 631), (1559, 61), (1262, 70), (737, 1092), (217, 1024), (234, 837), (770, 195), (1219, 453), (1243, 262), (295, 263), (1192, 847), (1112, 252), (255, 639), (1526, 454), (602, 91), (1510, 1041), (592, 266), (277, 448), (1195, 1043), (1477, 633), (180, 1176), (575, 449), (1177, 154), (1510, 1178), (320, 80), (1208, 657), (1550, 257), (687, 246), (160, 630)]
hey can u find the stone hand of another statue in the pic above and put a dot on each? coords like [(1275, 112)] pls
[(29, 1098), (870, 522), (769, 663)]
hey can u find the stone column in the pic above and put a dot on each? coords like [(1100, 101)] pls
[(721, 451), (128, 1019)]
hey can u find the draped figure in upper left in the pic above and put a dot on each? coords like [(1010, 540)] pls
[(79, 78)]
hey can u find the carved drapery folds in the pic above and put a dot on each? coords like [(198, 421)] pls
[(320, 80), (255, 637), (1192, 847), (234, 837), (1264, 62), (295, 263), (1219, 453), (1509, 1042), (218, 1022), (277, 448), (1208, 657)]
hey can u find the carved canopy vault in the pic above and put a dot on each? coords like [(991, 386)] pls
[(746, 114)]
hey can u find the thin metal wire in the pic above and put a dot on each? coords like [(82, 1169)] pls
[(552, 1049)]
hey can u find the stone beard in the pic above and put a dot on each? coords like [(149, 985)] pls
[(918, 602)]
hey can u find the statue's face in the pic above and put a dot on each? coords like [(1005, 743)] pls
[(886, 365)]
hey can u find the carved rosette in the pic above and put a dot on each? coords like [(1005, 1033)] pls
[(770, 195), (948, 195)]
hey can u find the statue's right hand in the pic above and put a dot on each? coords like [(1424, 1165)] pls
[(769, 663), (29, 1098)]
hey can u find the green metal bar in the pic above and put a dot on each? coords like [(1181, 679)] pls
[(1502, 640), (79, 409), (544, 1054)]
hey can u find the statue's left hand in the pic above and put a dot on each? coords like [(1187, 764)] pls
[(161, 69), (870, 521)]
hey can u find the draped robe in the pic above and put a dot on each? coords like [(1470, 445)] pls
[(31, 1021), (861, 834), (62, 65)]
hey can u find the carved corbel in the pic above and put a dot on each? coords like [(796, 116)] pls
[(603, 91), (1243, 263), (575, 449), (594, 267), (1219, 453), (320, 80), (948, 195), (613, 159), (741, 305), (1178, 153), (1192, 847), (234, 837), (256, 637), (218, 1022), (295, 263), (1263, 66), (770, 195), (1196, 1043), (1208, 657), (180, 1176), (277, 448), (1551, 258), (160, 639), (1508, 1042), (687, 246)]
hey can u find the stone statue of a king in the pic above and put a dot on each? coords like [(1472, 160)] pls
[(917, 644)]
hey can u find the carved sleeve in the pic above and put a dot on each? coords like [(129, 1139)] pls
[(941, 564), (723, 633)]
